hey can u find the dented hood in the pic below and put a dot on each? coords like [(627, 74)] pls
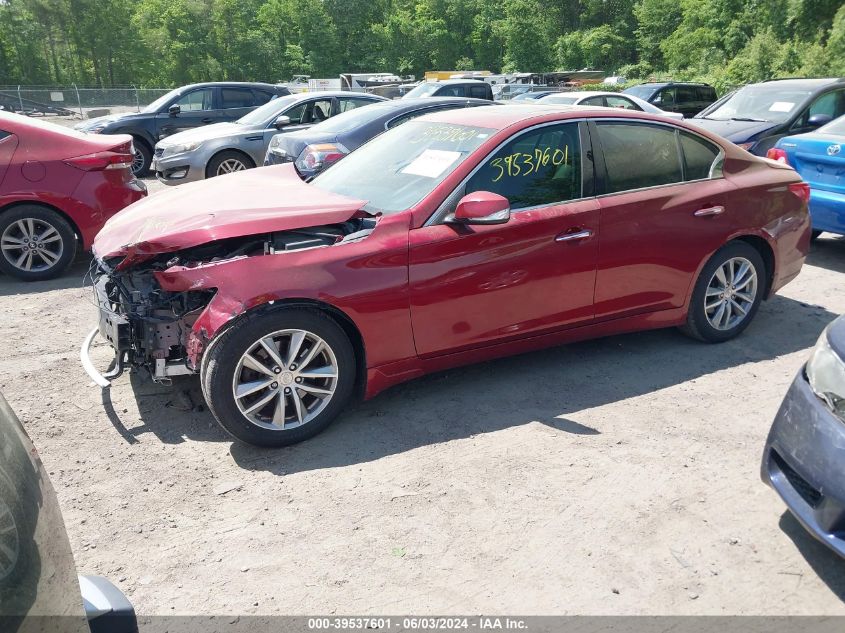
[(244, 203)]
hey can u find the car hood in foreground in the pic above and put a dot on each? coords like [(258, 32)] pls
[(250, 202), (734, 131), (89, 124)]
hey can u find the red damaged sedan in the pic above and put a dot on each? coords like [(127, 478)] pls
[(57, 189), (453, 238)]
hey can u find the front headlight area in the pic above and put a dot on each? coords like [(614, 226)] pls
[(826, 374), (179, 148)]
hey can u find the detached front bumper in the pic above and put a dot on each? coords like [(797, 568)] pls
[(804, 461)]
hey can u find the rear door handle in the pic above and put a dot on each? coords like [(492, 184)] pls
[(207, 119), (572, 237), (717, 210)]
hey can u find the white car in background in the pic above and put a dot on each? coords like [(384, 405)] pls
[(607, 100)]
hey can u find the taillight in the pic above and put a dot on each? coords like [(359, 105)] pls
[(777, 154), (320, 155), (101, 160), (802, 190)]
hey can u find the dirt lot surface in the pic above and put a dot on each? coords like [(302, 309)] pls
[(618, 476)]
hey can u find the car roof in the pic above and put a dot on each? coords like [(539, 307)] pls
[(662, 84), (813, 83), (451, 82), (501, 118), (432, 101), (335, 93), (236, 84)]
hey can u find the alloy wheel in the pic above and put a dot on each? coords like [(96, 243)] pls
[(285, 379), (137, 161), (229, 166), (31, 245), (731, 293)]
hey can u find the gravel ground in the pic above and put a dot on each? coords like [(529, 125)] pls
[(618, 476)]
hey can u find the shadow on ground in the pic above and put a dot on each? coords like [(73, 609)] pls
[(545, 386), (73, 277), (828, 252), (827, 565)]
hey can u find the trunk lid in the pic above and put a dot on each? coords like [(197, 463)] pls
[(250, 202), (819, 159)]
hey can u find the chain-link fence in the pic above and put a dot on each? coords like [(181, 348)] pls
[(76, 101)]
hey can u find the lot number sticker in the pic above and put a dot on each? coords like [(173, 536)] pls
[(431, 163)]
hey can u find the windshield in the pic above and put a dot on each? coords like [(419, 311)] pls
[(268, 112), (352, 119), (561, 100), (425, 89), (397, 169), (156, 105), (643, 92), (836, 127), (760, 103)]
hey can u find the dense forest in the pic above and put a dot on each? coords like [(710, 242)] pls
[(165, 43)]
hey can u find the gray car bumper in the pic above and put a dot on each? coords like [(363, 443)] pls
[(174, 170), (804, 462)]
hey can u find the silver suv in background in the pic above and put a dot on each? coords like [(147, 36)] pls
[(223, 148)]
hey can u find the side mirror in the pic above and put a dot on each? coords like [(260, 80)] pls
[(481, 207), (174, 110), (281, 122), (818, 120)]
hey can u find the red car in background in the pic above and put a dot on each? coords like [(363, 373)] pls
[(453, 238), (57, 189)]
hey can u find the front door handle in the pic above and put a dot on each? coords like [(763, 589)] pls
[(207, 119), (572, 237), (703, 213)]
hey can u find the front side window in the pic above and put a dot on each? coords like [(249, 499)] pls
[(310, 112), (622, 102), (832, 104), (665, 97), (639, 155), (237, 98), (542, 166), (699, 156), (196, 100), (593, 101), (399, 168), (451, 91)]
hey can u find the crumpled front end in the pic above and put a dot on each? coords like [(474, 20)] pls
[(160, 313)]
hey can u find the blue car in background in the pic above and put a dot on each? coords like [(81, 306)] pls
[(819, 157)]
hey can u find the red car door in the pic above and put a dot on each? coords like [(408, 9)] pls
[(665, 207), (476, 285)]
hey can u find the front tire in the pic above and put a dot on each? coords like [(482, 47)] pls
[(36, 243), (142, 159), (727, 294), (280, 377), (228, 162)]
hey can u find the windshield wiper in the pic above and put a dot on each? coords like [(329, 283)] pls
[(749, 119)]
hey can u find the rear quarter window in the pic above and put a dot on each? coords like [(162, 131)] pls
[(699, 156)]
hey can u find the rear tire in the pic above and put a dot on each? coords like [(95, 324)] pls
[(265, 394), (228, 162), (727, 294), (36, 243), (142, 159)]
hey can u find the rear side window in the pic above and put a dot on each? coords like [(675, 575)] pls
[(687, 94), (699, 156), (260, 97), (706, 93), (237, 98), (639, 155), (542, 166), (4, 134), (479, 92)]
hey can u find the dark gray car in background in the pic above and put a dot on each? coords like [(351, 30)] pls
[(182, 109), (804, 459), (313, 150), (220, 149)]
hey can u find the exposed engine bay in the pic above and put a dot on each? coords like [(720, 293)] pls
[(149, 327)]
